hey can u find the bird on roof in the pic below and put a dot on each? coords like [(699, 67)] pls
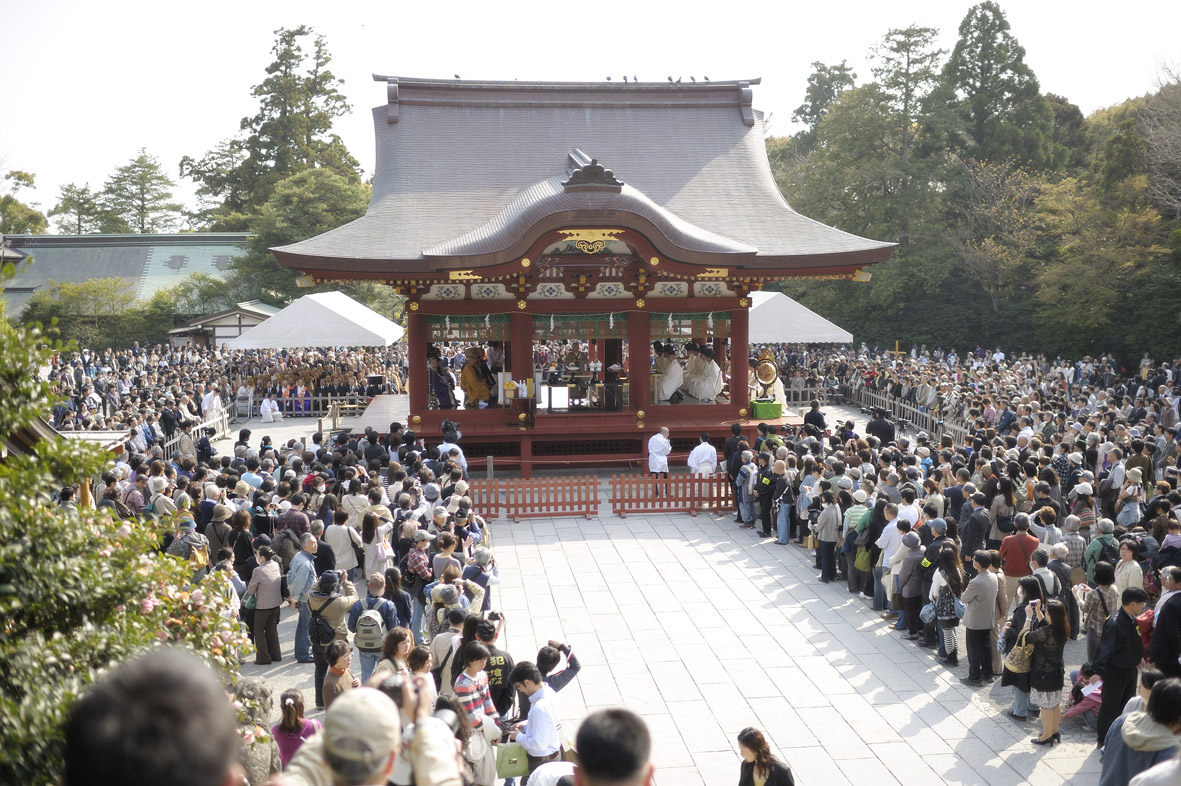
[(625, 77), (678, 80), (635, 78), (457, 76), (706, 78), (693, 78), (608, 79)]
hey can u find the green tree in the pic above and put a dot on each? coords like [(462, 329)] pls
[(88, 311), (138, 198), (77, 210), (824, 85), (307, 204), (290, 133), (16, 217), (995, 95), (78, 590), (1070, 133)]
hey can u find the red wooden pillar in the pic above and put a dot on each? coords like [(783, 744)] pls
[(416, 353), (739, 355), (639, 339), (521, 336)]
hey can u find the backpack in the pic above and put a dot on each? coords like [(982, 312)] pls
[(1006, 525), (371, 629), (1109, 553), (411, 581), (321, 632)]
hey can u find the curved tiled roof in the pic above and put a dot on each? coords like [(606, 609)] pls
[(465, 168)]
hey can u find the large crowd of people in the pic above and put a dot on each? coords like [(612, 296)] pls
[(1054, 520), (130, 390)]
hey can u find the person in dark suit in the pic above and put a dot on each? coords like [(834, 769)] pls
[(880, 427), (1119, 656), (1165, 647), (815, 417)]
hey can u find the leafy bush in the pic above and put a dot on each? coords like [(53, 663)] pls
[(78, 591)]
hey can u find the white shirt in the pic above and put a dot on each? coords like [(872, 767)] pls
[(445, 448), (672, 379), (706, 454), (540, 735), (889, 540), (658, 449)]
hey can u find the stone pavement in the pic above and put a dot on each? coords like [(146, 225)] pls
[(704, 629)]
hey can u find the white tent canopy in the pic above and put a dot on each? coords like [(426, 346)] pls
[(325, 319), (777, 319)]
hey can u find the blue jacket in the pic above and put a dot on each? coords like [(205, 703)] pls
[(1134, 743)]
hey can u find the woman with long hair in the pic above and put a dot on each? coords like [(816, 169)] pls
[(379, 554), (293, 729), (947, 585), (1002, 511), (354, 503), (1028, 589), (760, 767), (394, 652), (1047, 668), (400, 597)]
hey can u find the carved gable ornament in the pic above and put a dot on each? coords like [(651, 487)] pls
[(587, 174)]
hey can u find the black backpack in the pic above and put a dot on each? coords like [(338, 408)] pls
[(321, 632), (1109, 553)]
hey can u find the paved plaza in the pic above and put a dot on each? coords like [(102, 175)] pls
[(705, 629)]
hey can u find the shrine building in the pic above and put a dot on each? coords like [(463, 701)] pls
[(614, 215)]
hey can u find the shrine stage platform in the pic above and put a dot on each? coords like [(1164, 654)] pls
[(547, 441)]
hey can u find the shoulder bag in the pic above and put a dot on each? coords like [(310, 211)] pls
[(1020, 657)]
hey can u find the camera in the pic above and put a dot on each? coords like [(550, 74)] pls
[(494, 615)]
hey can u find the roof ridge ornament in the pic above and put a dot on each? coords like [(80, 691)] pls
[(587, 174)]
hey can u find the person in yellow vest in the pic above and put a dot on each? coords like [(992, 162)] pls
[(475, 380)]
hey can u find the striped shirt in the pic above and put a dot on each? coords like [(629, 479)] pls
[(475, 697)]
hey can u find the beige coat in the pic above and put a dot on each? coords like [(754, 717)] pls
[(980, 601)]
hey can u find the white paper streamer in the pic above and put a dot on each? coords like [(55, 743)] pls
[(710, 322), (670, 325), (487, 322), (611, 321), (447, 324), (551, 323)]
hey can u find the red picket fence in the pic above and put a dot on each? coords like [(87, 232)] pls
[(528, 498), (644, 493), (531, 498)]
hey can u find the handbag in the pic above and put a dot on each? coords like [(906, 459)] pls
[(1020, 658), (384, 550), (863, 563), (511, 761), (927, 614), (960, 608), (249, 601)]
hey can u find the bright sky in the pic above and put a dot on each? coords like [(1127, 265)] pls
[(85, 84)]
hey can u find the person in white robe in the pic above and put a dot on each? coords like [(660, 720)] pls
[(269, 410), (703, 459)]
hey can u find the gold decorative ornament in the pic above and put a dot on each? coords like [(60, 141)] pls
[(590, 246), (639, 424), (590, 235), (416, 419), (463, 275), (521, 304), (714, 272), (640, 303), (414, 305), (744, 302), (742, 413), (640, 415), (525, 262), (654, 261), (522, 417), (862, 276)]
